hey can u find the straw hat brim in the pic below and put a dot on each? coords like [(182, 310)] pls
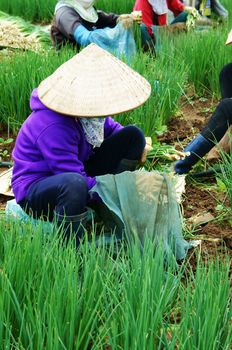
[(93, 83)]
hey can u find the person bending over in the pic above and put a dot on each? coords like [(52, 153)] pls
[(154, 15), (207, 7), (69, 138), (79, 23), (216, 127)]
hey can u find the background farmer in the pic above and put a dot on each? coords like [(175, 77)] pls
[(154, 15), (64, 143), (78, 22), (206, 7), (215, 128)]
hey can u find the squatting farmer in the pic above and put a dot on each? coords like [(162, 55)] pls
[(69, 137), (154, 17), (78, 22), (216, 127)]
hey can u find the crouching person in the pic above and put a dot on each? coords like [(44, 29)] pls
[(79, 23), (69, 139), (216, 128)]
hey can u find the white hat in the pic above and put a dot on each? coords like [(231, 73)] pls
[(93, 83)]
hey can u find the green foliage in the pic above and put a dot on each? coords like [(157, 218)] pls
[(205, 310), (166, 79), (225, 175), (43, 10), (4, 153), (56, 298), (204, 54), (5, 141), (195, 58), (119, 6), (20, 74), (34, 11)]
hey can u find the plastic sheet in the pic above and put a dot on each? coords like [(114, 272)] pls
[(15, 212), (118, 40), (143, 204)]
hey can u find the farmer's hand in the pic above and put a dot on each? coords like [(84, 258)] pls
[(144, 157), (189, 9), (147, 148), (126, 20), (137, 16)]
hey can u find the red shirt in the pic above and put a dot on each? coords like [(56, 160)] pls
[(149, 17)]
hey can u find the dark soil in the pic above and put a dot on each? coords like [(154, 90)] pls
[(216, 235), (193, 116)]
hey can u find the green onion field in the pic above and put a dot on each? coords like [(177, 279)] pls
[(56, 298)]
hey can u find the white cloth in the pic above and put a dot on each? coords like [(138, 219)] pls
[(159, 6), (83, 7), (94, 130)]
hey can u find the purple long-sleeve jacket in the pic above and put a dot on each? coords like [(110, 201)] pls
[(50, 143)]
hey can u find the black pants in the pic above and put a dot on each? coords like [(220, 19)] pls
[(128, 143), (67, 193), (221, 119)]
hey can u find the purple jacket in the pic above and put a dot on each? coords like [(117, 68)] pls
[(49, 143)]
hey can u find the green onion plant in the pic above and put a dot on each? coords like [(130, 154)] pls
[(54, 297)]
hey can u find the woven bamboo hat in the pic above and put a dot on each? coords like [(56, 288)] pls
[(93, 83)]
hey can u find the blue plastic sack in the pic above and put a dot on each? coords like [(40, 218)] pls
[(118, 40), (15, 212), (142, 205)]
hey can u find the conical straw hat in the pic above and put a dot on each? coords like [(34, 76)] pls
[(93, 83)]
